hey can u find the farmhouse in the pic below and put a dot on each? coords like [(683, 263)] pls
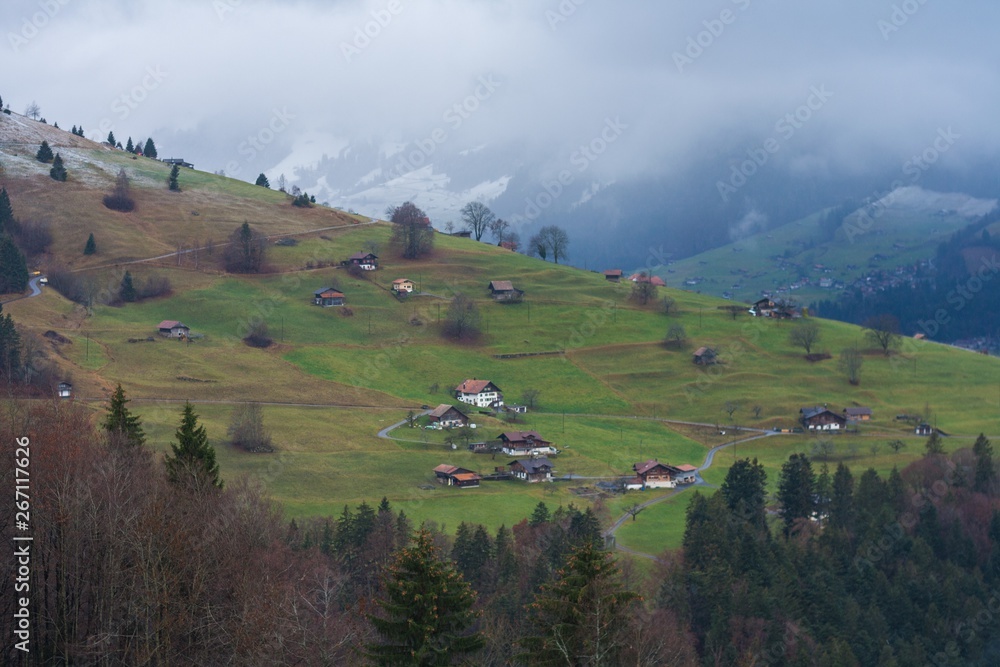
[(400, 285), (450, 475), (367, 261), (524, 443), (762, 308), (923, 429), (481, 393), (178, 161), (173, 329), (652, 475), (504, 290), (705, 356), (532, 470), (65, 390), (822, 419), (448, 416), (858, 414), (613, 275), (643, 277), (327, 297)]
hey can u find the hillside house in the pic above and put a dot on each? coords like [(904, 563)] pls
[(688, 473), (705, 356), (178, 161), (173, 329), (762, 308), (504, 290), (65, 390), (820, 418), (481, 393), (448, 416), (401, 285), (643, 277), (327, 297), (532, 470), (524, 443), (366, 261), (613, 275), (450, 475), (858, 414), (652, 475), (923, 429)]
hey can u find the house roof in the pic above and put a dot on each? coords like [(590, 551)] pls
[(643, 468), (701, 351), (400, 281), (443, 409), (465, 476), (613, 273), (652, 280), (475, 386), (170, 324), (327, 290), (521, 436), (810, 412), (533, 465), (501, 286), (363, 255), (857, 412), (686, 467), (445, 469)]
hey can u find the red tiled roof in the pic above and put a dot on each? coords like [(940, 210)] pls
[(445, 469), (466, 476), (328, 292), (613, 273), (474, 386), (686, 467)]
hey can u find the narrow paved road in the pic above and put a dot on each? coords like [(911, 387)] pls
[(35, 291)]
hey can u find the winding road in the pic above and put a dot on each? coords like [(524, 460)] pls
[(33, 284)]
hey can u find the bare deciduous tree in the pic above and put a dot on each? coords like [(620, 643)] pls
[(883, 331), (850, 362), (462, 321), (246, 428), (478, 218), (805, 334)]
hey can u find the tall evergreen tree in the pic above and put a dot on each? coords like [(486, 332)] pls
[(983, 451), (13, 267), (842, 501), (58, 171), (796, 490), (540, 514), (111, 137), (149, 150), (172, 183), (126, 292), (192, 462), (7, 223), (90, 247), (129, 146), (123, 427), (44, 153), (262, 181), (581, 618), (745, 491), (10, 347), (934, 445), (427, 611)]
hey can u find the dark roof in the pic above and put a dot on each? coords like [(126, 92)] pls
[(810, 412), (363, 255), (643, 468), (445, 469), (521, 436), (475, 386), (856, 412), (327, 290), (443, 409), (501, 286), (532, 465)]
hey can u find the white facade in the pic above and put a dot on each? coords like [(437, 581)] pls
[(482, 400)]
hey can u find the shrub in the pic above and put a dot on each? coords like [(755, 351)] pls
[(258, 336)]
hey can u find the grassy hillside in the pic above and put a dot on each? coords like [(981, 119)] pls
[(336, 376)]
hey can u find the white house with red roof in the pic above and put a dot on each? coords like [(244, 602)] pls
[(481, 393)]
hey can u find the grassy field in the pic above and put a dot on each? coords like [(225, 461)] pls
[(601, 396)]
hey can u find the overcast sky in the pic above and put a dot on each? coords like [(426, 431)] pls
[(204, 76)]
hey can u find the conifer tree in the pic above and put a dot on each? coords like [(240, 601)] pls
[(13, 267), (427, 611), (10, 347), (58, 171), (79, 131), (123, 428), (128, 146), (262, 181), (983, 451), (7, 223), (44, 153), (192, 462), (149, 150), (111, 137), (139, 147), (796, 490), (126, 291), (745, 491), (934, 445), (172, 183), (540, 514), (73, 130), (91, 246)]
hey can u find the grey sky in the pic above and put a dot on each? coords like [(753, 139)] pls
[(204, 76)]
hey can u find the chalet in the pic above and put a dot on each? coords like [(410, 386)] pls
[(178, 161), (532, 470), (923, 429), (524, 443), (822, 419), (400, 285), (448, 416), (65, 390), (450, 475), (643, 277), (366, 261), (858, 414), (504, 290), (652, 475), (173, 329), (688, 473), (327, 297), (763, 308), (613, 275), (705, 356), (481, 393)]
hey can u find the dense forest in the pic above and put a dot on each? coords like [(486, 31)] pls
[(134, 564), (955, 297)]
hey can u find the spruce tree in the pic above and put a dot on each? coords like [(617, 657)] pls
[(10, 347), (934, 446), (7, 223), (44, 153), (983, 450), (127, 290), (427, 611), (262, 181), (79, 131), (13, 267), (192, 462), (111, 138), (129, 146), (73, 130), (123, 428), (540, 514), (796, 490), (139, 147), (172, 183), (91, 246), (58, 171), (149, 150), (745, 491)]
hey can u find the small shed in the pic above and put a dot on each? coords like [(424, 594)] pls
[(327, 297), (858, 414), (400, 285), (504, 290), (65, 390), (705, 356), (173, 329), (613, 275), (448, 416), (923, 429)]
